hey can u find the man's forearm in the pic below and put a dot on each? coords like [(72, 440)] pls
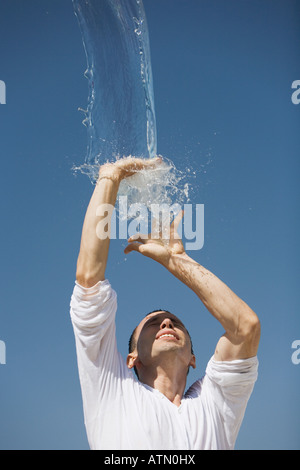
[(94, 246), (236, 317), (93, 253)]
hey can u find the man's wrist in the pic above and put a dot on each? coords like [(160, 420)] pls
[(110, 172), (175, 262)]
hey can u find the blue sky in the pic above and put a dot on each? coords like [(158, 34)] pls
[(222, 81)]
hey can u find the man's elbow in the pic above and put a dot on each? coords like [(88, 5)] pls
[(87, 278), (83, 281), (251, 329)]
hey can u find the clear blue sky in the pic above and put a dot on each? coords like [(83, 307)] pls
[(222, 81)]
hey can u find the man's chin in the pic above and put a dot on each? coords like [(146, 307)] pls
[(167, 346)]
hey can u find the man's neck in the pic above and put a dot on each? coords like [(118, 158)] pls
[(171, 384)]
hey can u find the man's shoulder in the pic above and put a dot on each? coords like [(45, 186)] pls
[(226, 373), (232, 372)]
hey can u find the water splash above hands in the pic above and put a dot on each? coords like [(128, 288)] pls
[(120, 116)]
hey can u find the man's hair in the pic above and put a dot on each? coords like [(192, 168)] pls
[(132, 344)]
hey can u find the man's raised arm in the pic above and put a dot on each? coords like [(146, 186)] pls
[(241, 324), (93, 253)]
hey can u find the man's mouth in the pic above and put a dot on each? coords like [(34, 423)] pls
[(167, 334)]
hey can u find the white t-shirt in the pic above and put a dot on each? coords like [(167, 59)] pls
[(122, 413)]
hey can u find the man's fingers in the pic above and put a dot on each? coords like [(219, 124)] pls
[(142, 163), (128, 166), (138, 237), (131, 165), (133, 247), (176, 222)]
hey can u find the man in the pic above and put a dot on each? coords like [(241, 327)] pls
[(152, 411)]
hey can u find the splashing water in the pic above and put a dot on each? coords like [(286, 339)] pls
[(120, 117)]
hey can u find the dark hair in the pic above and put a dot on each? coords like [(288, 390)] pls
[(132, 344)]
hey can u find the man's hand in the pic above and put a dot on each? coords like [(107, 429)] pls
[(126, 167), (156, 247)]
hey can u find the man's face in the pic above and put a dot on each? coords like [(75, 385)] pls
[(159, 333)]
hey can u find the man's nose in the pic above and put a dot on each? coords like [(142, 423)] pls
[(167, 323)]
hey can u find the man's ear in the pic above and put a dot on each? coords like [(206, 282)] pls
[(132, 359), (193, 362)]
